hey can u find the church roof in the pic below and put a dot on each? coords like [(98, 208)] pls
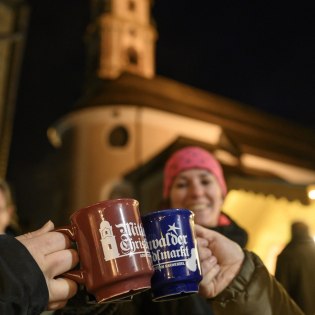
[(245, 129)]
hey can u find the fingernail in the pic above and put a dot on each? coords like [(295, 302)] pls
[(48, 223)]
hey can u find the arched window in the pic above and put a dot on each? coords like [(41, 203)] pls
[(119, 136), (131, 5), (132, 56)]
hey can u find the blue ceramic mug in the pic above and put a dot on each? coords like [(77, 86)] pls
[(173, 248)]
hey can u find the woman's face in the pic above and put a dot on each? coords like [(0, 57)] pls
[(198, 190), (5, 213)]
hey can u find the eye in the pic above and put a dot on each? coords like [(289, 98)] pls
[(180, 184), (206, 181)]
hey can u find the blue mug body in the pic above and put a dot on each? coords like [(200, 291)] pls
[(173, 248)]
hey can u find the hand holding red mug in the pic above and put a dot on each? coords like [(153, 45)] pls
[(51, 251), (115, 262)]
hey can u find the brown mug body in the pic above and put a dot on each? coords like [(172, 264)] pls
[(115, 262)]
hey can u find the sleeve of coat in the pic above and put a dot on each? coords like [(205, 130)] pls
[(23, 288), (254, 291)]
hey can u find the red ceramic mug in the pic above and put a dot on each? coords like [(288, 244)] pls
[(115, 261)]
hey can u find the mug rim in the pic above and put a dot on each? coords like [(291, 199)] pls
[(106, 201), (167, 212)]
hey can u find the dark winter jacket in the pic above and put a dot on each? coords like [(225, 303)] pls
[(23, 289), (254, 292), (295, 271)]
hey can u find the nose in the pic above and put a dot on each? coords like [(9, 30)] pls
[(196, 189)]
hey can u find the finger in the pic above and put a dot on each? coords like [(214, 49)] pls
[(55, 241), (208, 264), (52, 242), (61, 289), (208, 282), (208, 234), (62, 261), (203, 232), (211, 274), (47, 227), (46, 244), (204, 252), (202, 242)]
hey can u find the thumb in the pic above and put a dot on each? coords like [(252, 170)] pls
[(47, 227)]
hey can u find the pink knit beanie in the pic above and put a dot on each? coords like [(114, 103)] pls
[(191, 157)]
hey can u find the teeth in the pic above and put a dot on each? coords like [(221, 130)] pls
[(198, 207)]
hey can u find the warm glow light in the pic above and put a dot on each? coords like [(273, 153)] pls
[(291, 173), (54, 138), (226, 157), (311, 194), (268, 234)]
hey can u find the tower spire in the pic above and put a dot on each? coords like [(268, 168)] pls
[(127, 39)]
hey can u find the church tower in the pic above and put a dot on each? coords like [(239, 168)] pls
[(108, 240), (127, 39)]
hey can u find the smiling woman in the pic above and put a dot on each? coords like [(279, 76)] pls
[(194, 180)]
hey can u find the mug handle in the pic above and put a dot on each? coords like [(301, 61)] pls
[(75, 275)]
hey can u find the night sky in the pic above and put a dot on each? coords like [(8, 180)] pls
[(258, 52)]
